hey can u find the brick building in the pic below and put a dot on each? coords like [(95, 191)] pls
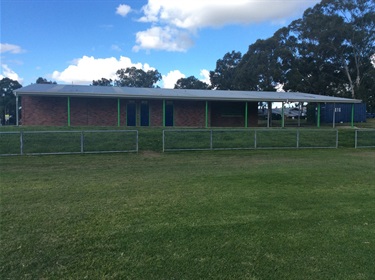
[(74, 105)]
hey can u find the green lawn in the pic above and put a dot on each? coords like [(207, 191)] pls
[(289, 214)]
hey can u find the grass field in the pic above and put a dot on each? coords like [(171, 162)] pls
[(299, 214)]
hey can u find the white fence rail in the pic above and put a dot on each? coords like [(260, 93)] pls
[(241, 139), (68, 142), (365, 138)]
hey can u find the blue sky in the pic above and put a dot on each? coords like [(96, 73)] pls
[(77, 41)]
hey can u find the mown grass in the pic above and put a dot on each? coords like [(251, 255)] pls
[(298, 214)]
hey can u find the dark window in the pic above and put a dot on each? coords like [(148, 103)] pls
[(131, 114), (145, 114), (168, 113)]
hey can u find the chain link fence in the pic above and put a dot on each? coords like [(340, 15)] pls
[(365, 138), (112, 141), (240, 139), (68, 142)]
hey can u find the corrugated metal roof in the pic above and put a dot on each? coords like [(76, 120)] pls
[(176, 94)]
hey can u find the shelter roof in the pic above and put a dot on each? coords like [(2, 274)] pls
[(176, 94)]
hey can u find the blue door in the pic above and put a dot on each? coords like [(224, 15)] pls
[(168, 113), (145, 113), (131, 113)]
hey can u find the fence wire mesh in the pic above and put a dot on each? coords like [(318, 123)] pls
[(365, 138), (68, 142), (234, 139)]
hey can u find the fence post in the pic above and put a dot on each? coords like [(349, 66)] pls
[(255, 139), (356, 139), (337, 138), (21, 143)]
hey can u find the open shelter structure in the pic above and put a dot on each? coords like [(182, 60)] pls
[(78, 105)]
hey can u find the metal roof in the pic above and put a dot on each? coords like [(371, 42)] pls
[(176, 94)]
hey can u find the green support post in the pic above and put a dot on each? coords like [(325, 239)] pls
[(17, 111), (118, 113), (163, 112), (352, 119), (246, 114), (318, 117), (206, 121), (68, 110)]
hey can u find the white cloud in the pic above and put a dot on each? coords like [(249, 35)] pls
[(86, 69), (205, 76), (123, 10), (213, 13), (171, 18), (9, 73), (10, 48), (169, 80), (163, 38)]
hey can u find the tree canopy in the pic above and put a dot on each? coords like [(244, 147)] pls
[(133, 77), (191, 83), (103, 82), (41, 80), (222, 78), (8, 100)]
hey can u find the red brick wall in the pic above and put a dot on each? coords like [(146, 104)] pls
[(93, 111), (44, 110), (156, 113), (190, 113)]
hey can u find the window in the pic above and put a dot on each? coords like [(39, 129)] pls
[(145, 113), (131, 113), (168, 113)]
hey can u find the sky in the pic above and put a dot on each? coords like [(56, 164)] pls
[(78, 41)]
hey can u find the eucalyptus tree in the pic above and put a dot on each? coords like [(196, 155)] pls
[(103, 82), (41, 80), (223, 77), (134, 77), (190, 83)]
